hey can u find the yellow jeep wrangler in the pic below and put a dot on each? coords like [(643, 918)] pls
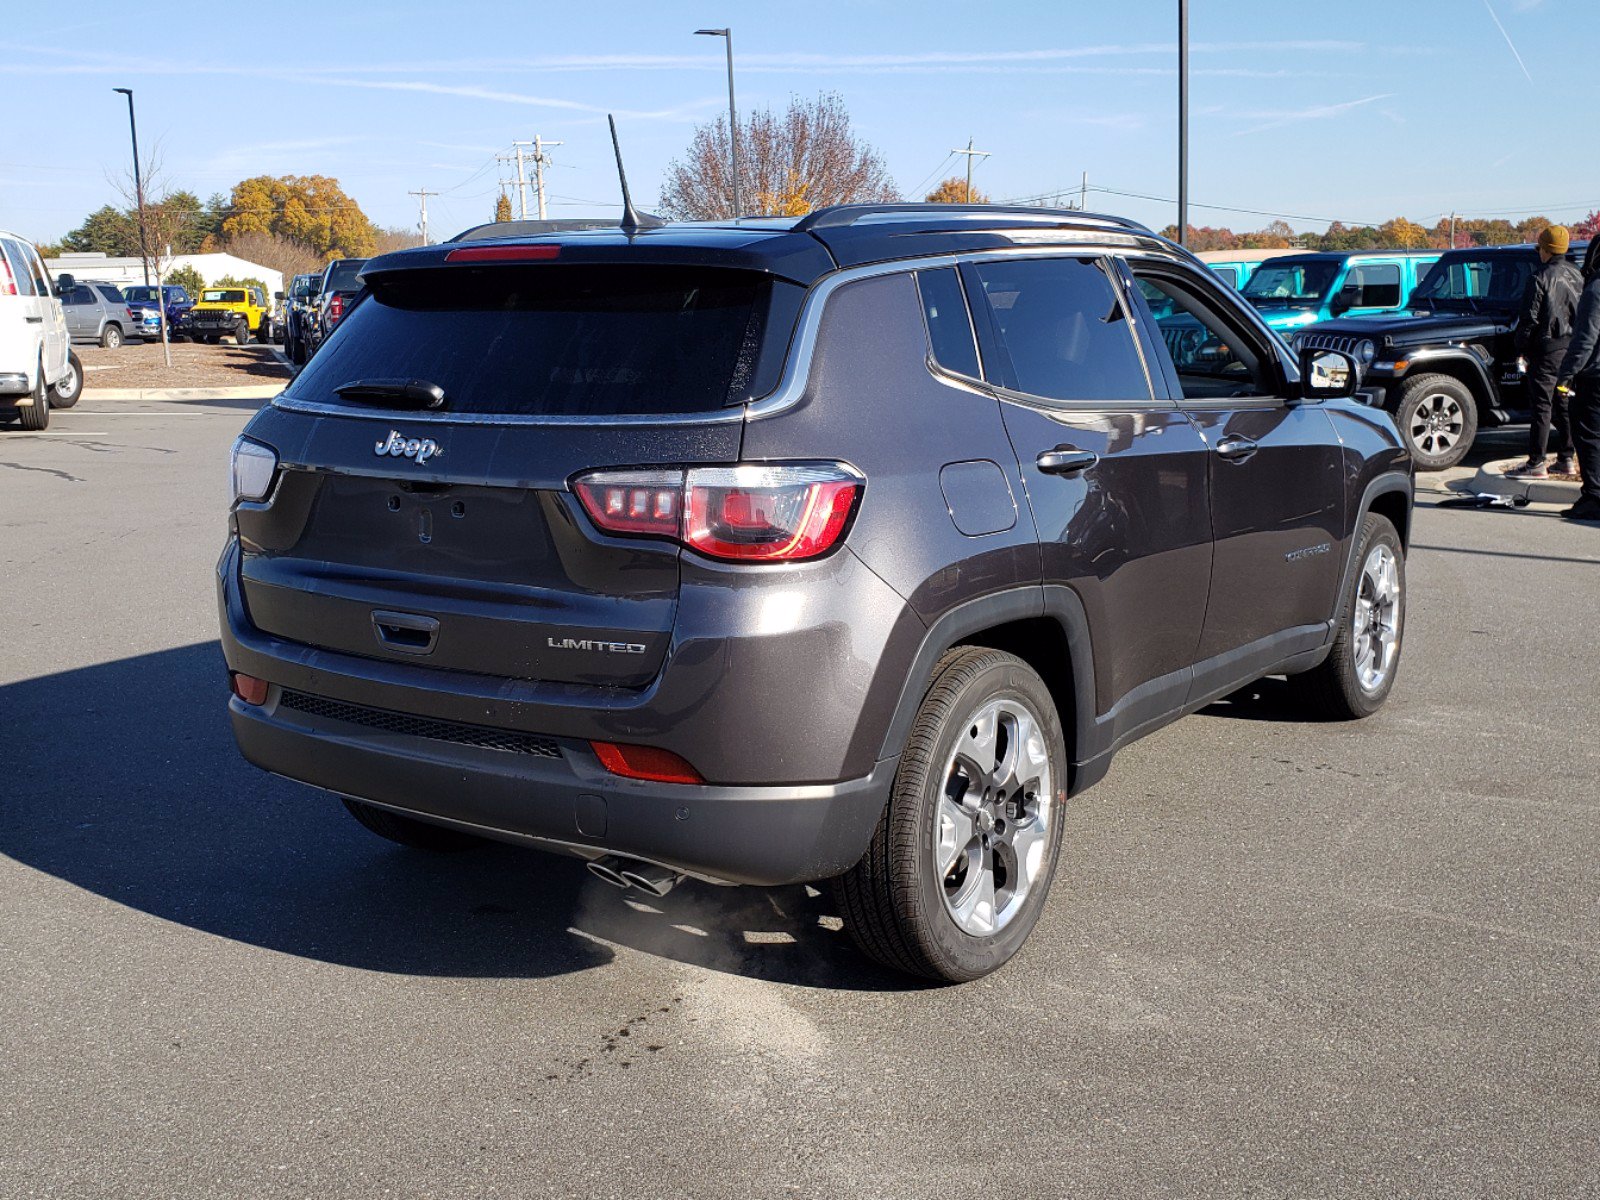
[(233, 312)]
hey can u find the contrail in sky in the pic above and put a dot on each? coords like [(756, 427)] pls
[(1507, 37)]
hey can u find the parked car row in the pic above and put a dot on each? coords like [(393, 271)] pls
[(317, 303), (1432, 332)]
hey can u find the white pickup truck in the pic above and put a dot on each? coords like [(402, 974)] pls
[(38, 368)]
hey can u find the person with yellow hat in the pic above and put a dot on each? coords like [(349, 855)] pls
[(1544, 330)]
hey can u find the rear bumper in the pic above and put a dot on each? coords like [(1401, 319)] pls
[(739, 830), (570, 804)]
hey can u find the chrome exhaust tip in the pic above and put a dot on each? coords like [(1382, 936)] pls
[(610, 868), (650, 877)]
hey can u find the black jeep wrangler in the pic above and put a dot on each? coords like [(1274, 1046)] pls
[(1447, 364)]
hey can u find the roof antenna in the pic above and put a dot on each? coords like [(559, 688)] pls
[(630, 218)]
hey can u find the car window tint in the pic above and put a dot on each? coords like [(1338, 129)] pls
[(944, 308), (1062, 330), (1378, 283), (79, 295), (1214, 358), (342, 277), (585, 340), (1228, 275), (114, 295), (21, 270)]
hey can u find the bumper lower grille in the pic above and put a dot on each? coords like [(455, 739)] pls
[(481, 736)]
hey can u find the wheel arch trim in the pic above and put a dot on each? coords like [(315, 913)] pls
[(1427, 362), (1388, 483), (1052, 602)]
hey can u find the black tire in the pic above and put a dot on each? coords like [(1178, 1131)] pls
[(36, 416), (1334, 690), (408, 831), (894, 900), (66, 390), (241, 333), (111, 336), (1438, 420)]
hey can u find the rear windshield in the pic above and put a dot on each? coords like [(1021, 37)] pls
[(342, 276), (221, 296), (555, 340)]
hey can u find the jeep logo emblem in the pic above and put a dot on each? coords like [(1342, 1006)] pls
[(396, 446)]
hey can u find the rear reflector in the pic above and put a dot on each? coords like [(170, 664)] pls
[(248, 688), (645, 762), (503, 254)]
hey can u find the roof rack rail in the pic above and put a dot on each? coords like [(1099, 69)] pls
[(838, 216)]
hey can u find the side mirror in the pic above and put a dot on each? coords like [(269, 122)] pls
[(1327, 375), (64, 284), (277, 295), (1345, 299)]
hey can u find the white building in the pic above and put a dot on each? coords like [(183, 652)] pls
[(212, 267)]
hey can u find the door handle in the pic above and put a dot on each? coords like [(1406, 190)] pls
[(1066, 460), (1235, 448), (34, 320)]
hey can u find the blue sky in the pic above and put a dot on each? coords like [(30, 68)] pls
[(1321, 109)]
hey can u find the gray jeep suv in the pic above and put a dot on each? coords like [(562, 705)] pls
[(841, 548)]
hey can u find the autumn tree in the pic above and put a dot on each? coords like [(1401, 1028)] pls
[(385, 241), (312, 209), (806, 157), (233, 281), (502, 208), (954, 191), (1588, 228), (284, 255)]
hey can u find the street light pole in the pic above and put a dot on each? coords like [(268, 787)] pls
[(138, 184), (1183, 122), (733, 115)]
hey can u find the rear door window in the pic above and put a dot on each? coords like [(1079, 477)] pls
[(1060, 331), (565, 340)]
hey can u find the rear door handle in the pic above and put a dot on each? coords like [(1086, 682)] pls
[(34, 320), (409, 633), (1066, 460), (1234, 447)]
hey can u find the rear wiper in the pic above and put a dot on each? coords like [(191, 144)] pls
[(405, 393)]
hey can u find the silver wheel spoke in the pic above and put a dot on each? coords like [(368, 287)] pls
[(993, 816)]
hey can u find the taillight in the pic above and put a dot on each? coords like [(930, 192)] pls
[(754, 512), (645, 762), (8, 281), (335, 308)]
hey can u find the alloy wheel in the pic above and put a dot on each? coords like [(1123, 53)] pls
[(1437, 424), (994, 814), (1377, 617)]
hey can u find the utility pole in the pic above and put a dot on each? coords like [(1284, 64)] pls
[(971, 154), (540, 161), (1183, 122), (138, 184), (1083, 193), (1452, 231), (522, 179), (422, 194)]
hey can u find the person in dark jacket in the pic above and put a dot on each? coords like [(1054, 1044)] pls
[(1544, 328), (1581, 369)]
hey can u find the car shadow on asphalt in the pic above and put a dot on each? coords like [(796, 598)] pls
[(1268, 699), (122, 779)]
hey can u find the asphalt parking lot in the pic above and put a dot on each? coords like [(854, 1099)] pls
[(1281, 959)]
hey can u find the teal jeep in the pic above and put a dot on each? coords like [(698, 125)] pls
[(1294, 290)]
